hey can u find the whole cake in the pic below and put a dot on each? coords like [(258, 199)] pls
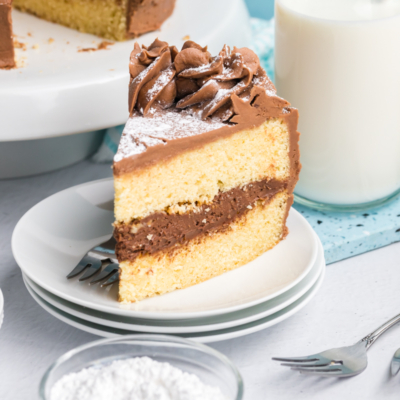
[(111, 19), (205, 170)]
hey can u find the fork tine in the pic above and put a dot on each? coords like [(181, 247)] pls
[(313, 365), (321, 373), (296, 359), (82, 265), (77, 270), (94, 267), (331, 370), (107, 271), (114, 278)]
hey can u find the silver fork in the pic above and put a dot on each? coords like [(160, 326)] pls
[(339, 362), (395, 365), (92, 262)]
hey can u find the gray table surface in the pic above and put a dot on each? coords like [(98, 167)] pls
[(357, 295)]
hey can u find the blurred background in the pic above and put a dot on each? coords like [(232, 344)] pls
[(261, 8)]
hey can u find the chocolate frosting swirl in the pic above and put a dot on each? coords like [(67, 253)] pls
[(194, 81)]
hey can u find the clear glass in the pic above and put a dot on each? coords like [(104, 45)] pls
[(212, 367), (338, 62), (345, 208)]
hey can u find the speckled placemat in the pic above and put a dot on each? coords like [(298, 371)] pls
[(345, 235)]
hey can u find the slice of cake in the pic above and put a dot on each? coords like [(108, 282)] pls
[(205, 169), (6, 36), (111, 19)]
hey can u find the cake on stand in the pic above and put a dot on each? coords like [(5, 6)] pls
[(55, 104)]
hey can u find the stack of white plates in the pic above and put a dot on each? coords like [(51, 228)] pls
[(51, 238)]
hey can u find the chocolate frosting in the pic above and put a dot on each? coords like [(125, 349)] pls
[(193, 80), (6, 37), (165, 230), (147, 15)]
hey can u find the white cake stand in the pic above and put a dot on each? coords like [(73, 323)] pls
[(61, 92)]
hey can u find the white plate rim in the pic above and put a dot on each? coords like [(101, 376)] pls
[(147, 314), (213, 337), (85, 314), (1, 302), (1, 308)]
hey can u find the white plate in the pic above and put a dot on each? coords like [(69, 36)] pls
[(193, 325), (61, 91), (1, 308), (51, 238), (203, 337)]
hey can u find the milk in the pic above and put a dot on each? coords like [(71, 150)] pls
[(338, 62)]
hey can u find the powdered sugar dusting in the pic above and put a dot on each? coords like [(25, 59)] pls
[(141, 76), (161, 81), (159, 128), (140, 378), (204, 67), (223, 94), (201, 68)]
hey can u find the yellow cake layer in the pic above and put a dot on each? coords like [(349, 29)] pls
[(209, 256), (199, 174), (105, 18)]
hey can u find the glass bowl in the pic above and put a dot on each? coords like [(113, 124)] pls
[(212, 367)]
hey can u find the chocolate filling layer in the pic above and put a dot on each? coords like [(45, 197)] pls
[(161, 231)]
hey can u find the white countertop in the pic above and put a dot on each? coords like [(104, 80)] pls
[(357, 296)]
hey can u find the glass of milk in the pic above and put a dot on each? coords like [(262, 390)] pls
[(338, 62)]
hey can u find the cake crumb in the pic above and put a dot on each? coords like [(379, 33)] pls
[(35, 46), (250, 207), (207, 210), (135, 228), (51, 40), (101, 46), (149, 237), (204, 221), (104, 45), (86, 49), (29, 34), (19, 45), (20, 62), (187, 37)]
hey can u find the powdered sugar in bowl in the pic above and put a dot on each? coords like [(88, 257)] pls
[(147, 367)]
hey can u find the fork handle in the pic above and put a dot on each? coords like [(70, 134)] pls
[(372, 337)]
